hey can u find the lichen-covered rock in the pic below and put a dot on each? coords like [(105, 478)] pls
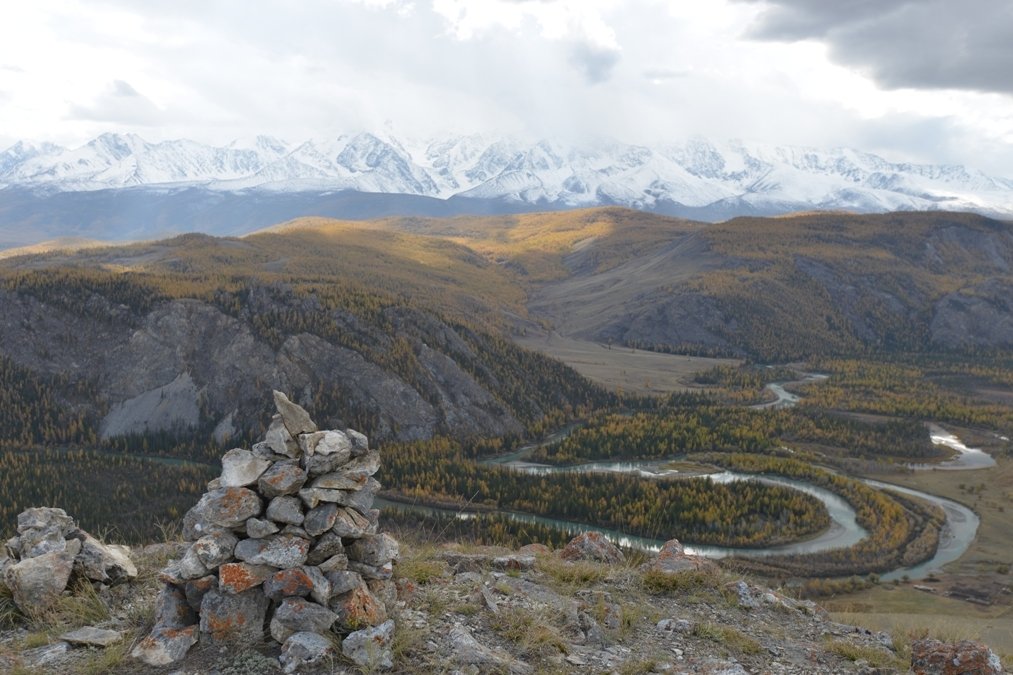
[(592, 546), (288, 583), (215, 549), (305, 651), (241, 468), (932, 657), (258, 529), (295, 615), (196, 589), (350, 524), (238, 577), (320, 519), (279, 550), (224, 616), (357, 608), (165, 646), (327, 546), (343, 581), (370, 648), (226, 507)]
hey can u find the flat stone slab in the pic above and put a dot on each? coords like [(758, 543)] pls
[(92, 637)]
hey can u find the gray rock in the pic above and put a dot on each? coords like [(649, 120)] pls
[(360, 444), (320, 519), (466, 650), (196, 589), (327, 545), (172, 609), (280, 441), (295, 615), (241, 468), (237, 578), (37, 582), (370, 648), (306, 651), (284, 478), (321, 590), (45, 518), (385, 571), (189, 566), (92, 637), (286, 509), (350, 524), (278, 550), (108, 563), (165, 646), (294, 417), (216, 548), (224, 508), (297, 531), (374, 549), (361, 500), (263, 450), (33, 543), (227, 617), (338, 480), (49, 657), (335, 563), (258, 529), (326, 443), (343, 581), (317, 465)]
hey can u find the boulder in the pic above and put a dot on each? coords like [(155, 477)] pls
[(592, 546), (370, 648), (305, 651), (932, 657), (241, 468), (37, 582)]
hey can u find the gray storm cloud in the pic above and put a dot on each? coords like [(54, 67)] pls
[(922, 44)]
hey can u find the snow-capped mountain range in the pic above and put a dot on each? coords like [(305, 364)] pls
[(695, 176)]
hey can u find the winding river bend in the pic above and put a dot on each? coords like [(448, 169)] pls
[(957, 533)]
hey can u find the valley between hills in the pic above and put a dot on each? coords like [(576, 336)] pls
[(542, 374)]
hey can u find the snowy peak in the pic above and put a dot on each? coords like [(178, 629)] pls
[(698, 176)]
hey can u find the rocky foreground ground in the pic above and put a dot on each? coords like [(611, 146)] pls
[(489, 610)]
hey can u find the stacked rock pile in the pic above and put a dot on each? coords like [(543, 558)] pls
[(285, 539), (48, 551)]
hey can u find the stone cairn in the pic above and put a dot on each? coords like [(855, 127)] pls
[(286, 538), (49, 551)]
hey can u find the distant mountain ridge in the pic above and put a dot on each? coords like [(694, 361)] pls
[(182, 185)]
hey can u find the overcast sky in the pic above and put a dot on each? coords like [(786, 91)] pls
[(922, 80)]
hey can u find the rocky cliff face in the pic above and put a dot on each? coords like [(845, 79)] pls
[(184, 364)]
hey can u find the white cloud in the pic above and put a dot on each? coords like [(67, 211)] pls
[(640, 70)]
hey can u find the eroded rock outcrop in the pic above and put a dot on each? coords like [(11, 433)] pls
[(285, 542)]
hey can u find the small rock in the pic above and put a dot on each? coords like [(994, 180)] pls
[(280, 441), (304, 651), (335, 563), (258, 529), (350, 523), (294, 417), (288, 583), (326, 443), (295, 615), (370, 648), (92, 637), (165, 646), (286, 509), (281, 479), (226, 507), (320, 519), (47, 655), (327, 545), (196, 589), (343, 581), (241, 468), (224, 616), (279, 550), (239, 577), (215, 548), (321, 591), (172, 609), (592, 546)]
